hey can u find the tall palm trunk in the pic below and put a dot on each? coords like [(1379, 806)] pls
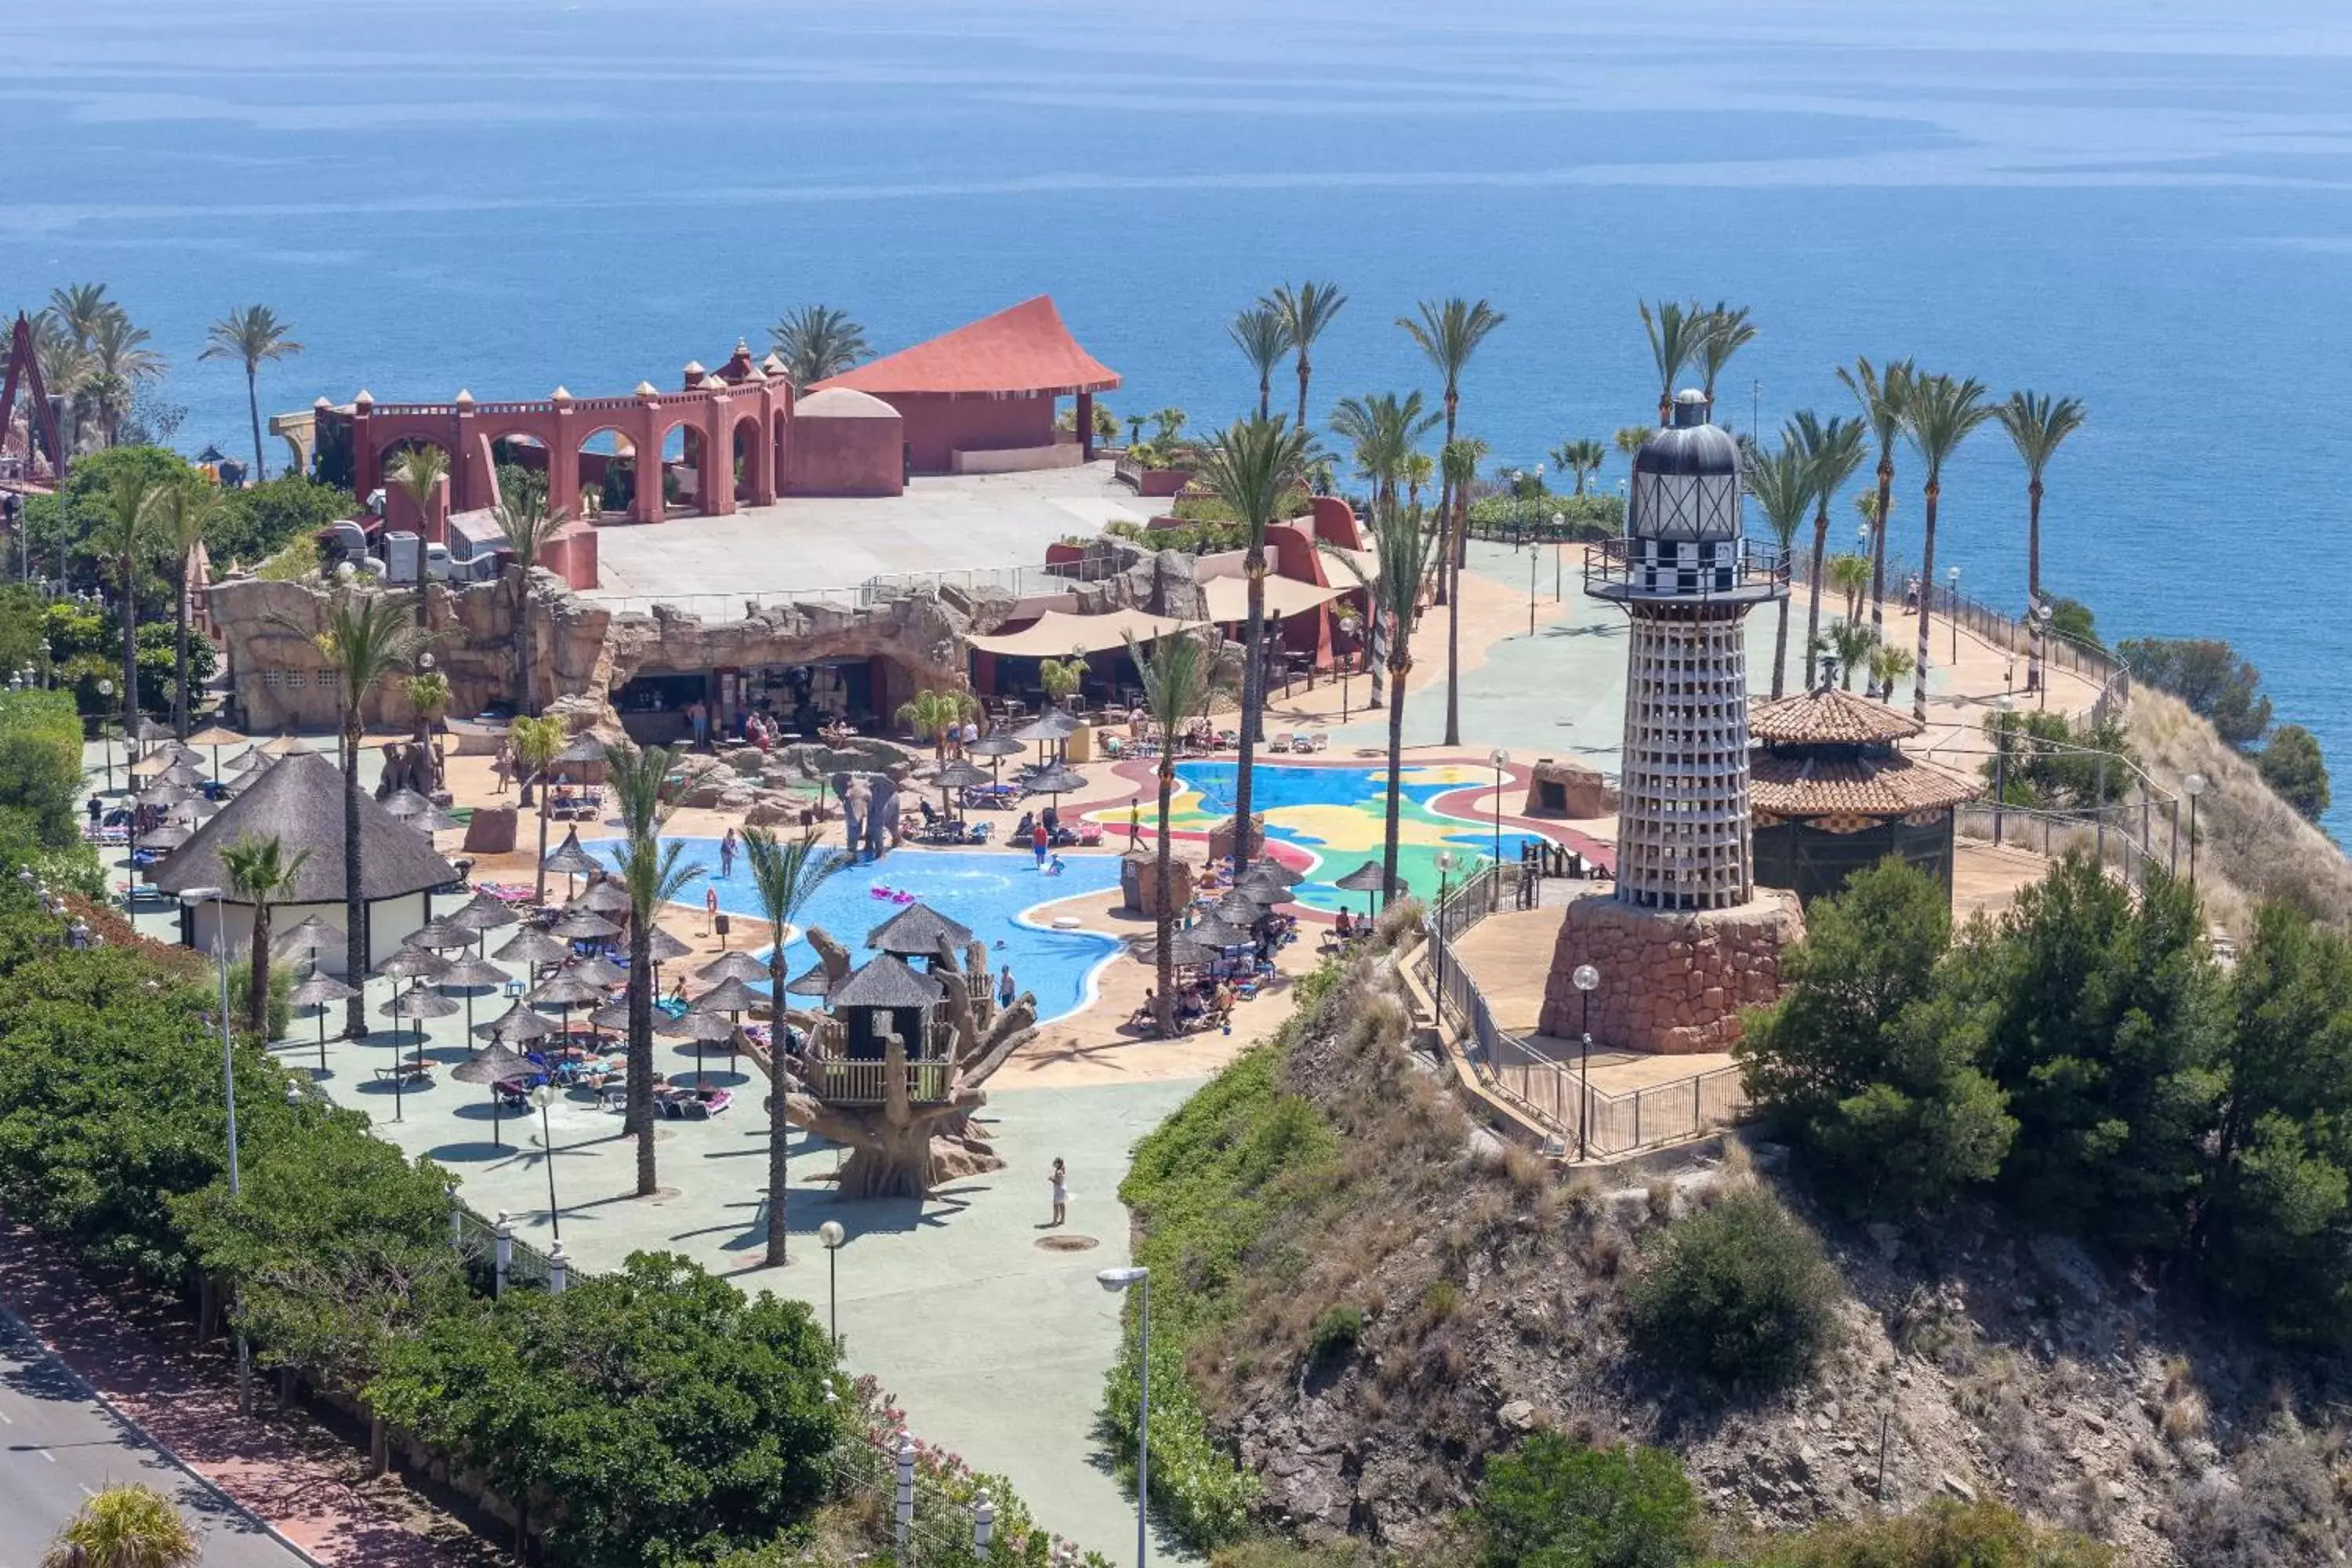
[(1457, 523), (1926, 581), (355, 942), (2033, 670), (1813, 605), (522, 640), (253, 407), (1164, 1000), (130, 651), (1878, 549), (539, 779), (1781, 653), (1253, 706), (1265, 393), (180, 656), (641, 1049), (1305, 370), (780, 1129), (1396, 775), (257, 1007)]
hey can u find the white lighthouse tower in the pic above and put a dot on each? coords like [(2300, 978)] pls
[(1687, 939)]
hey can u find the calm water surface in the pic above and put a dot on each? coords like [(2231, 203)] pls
[(2145, 205)]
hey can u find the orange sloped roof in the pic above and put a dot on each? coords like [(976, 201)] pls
[(1023, 350)]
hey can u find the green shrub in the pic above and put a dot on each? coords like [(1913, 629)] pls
[(281, 988), (1558, 1504), (1739, 1293), (261, 520), (40, 763), (1337, 1331), (1942, 1535), (293, 561), (1530, 517)]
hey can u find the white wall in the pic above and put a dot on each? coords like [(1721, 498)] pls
[(390, 923)]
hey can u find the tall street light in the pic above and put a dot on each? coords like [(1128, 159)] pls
[(1118, 1281), (189, 898), (1952, 613), (542, 1097), (1559, 541), (1437, 922), (1349, 622), (1501, 759), (2192, 786), (1587, 978), (2006, 704), (832, 1235)]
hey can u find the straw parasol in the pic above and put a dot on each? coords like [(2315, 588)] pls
[(416, 1004), (1053, 724), (404, 803), (483, 913), (1211, 931), (1182, 951), (566, 990), (1238, 907), (532, 946), (613, 1015), (733, 966), (603, 897), (1266, 890), (164, 793), (247, 761), (571, 859), (493, 1065), (810, 982), (214, 736), (995, 748), (1053, 780), (412, 963), (1266, 869), (312, 935), (959, 775), (322, 991), (665, 947), (600, 972), (443, 933), (580, 925), (288, 746), (470, 974), (1367, 879), (171, 836), (518, 1026), (730, 995), (703, 1028)]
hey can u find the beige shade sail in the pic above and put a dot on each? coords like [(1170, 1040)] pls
[(1057, 633), (1228, 597)]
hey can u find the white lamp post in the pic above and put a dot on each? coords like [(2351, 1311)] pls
[(1437, 921), (189, 898), (1559, 543), (1118, 1281), (2192, 786), (831, 1234), (542, 1097), (1952, 610), (1587, 980), (1501, 759)]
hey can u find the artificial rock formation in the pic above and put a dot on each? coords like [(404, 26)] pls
[(1672, 982), (904, 1147), (1571, 790)]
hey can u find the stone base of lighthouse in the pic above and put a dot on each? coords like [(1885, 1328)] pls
[(1672, 982)]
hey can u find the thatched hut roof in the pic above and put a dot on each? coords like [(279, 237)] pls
[(301, 802)]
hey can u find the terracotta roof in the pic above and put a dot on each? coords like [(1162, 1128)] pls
[(299, 800), (1025, 351), (1830, 718), (1890, 785)]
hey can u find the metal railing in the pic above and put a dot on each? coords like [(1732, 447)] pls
[(1582, 1119), (725, 607), (1617, 569)]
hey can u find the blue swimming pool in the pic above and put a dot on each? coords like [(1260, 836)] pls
[(986, 890)]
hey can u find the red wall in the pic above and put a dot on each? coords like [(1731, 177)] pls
[(844, 458), (936, 428)]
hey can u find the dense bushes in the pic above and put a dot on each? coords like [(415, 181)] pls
[(1739, 1292), (1530, 517), (1941, 1535), (2160, 1106), (40, 763), (1558, 1504)]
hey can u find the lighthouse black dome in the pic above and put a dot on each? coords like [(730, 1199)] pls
[(1687, 479)]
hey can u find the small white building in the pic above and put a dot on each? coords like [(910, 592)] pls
[(299, 800)]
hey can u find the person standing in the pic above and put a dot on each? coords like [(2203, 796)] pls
[(727, 847), (1135, 822), (1060, 1182), (1039, 838), (1005, 991)]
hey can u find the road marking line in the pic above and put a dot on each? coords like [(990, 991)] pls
[(47, 1454)]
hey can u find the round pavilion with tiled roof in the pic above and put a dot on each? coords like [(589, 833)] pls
[(1832, 792)]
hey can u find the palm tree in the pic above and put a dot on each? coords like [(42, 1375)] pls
[(1833, 451), (1263, 335), (120, 362), (786, 874), (1401, 550), (527, 527), (1939, 413), (1675, 333), (251, 336), (536, 743), (2037, 424), (65, 371), (79, 308), (367, 637), (125, 1525), (1881, 395), (934, 715), (1462, 458), (261, 872), (1582, 458), (1888, 665), (1447, 334), (654, 874), (1062, 678), (1728, 332), (133, 507), (1850, 575), (418, 474), (1631, 438), (1305, 313), (189, 506), (1175, 676), (1854, 641), (817, 343), (1783, 483), (1252, 466), (1420, 467), (1383, 429)]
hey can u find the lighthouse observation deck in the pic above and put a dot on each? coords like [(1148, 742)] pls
[(1732, 572)]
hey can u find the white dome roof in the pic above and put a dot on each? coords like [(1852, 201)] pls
[(843, 403)]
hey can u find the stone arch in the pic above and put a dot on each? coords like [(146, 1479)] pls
[(749, 459), (604, 468), (522, 447), (684, 465)]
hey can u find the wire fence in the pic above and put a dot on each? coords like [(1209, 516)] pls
[(1535, 1078)]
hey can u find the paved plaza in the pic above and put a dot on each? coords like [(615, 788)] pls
[(950, 523)]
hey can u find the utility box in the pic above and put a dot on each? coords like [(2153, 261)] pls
[(403, 557), (438, 561)]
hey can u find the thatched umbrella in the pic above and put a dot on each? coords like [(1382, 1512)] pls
[(571, 859), (518, 1026), (1182, 951), (533, 946), (733, 966), (1266, 869), (1211, 931), (582, 925), (405, 803), (483, 913), (320, 991), (288, 746), (1056, 782), (417, 1004), (606, 896), (955, 777), (1237, 906), (248, 761), (1266, 890), (441, 934), (171, 836), (1367, 879), (147, 731), (152, 763), (667, 947), (613, 1015), (600, 972), (810, 982), (734, 999), (412, 963), (995, 748), (916, 930), (214, 736), (567, 990), (470, 974), (492, 1065), (703, 1028)]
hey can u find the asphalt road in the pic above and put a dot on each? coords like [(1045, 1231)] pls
[(58, 1446)]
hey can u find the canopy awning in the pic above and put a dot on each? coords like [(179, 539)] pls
[(1057, 633), (1228, 597)]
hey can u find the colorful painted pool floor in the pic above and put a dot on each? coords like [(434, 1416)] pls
[(1336, 819), (987, 891)]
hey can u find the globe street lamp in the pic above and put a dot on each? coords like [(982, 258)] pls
[(1437, 920), (1501, 759), (106, 736), (542, 1097), (189, 898), (2192, 786), (1349, 622), (1118, 1281), (831, 1234), (1559, 540), (1952, 611), (2006, 704), (1586, 978)]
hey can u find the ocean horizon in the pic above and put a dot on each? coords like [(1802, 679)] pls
[(2146, 206)]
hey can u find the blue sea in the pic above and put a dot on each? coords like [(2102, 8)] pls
[(2142, 203)]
